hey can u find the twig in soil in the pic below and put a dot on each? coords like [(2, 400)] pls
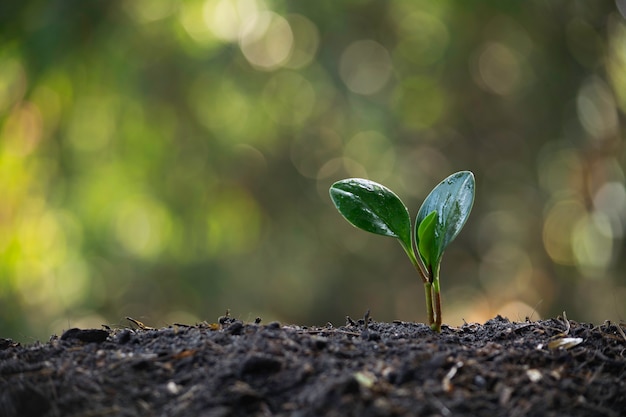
[(567, 324), (446, 384), (222, 320), (561, 340), (364, 321), (318, 331), (556, 329), (523, 326), (139, 324), (621, 331)]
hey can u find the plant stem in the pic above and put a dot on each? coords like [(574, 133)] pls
[(426, 276), (437, 295), (428, 290), (416, 263)]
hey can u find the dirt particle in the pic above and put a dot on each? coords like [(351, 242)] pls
[(260, 364), (235, 328), (86, 336)]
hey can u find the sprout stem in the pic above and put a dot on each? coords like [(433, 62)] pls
[(428, 290), (437, 325), (416, 263), (437, 295), (426, 276)]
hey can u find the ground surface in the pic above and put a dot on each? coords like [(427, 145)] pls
[(547, 368)]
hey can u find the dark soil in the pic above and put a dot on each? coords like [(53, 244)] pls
[(547, 368)]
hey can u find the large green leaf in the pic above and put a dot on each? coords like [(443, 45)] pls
[(452, 200), (372, 207)]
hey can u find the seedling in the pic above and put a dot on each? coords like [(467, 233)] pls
[(375, 208)]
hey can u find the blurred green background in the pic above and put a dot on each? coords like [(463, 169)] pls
[(168, 160)]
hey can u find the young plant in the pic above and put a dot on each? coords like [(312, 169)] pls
[(375, 208)]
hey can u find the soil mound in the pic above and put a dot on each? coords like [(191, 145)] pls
[(552, 367)]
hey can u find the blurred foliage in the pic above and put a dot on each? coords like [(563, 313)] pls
[(170, 159)]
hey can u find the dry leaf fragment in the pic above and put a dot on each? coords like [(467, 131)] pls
[(365, 379), (447, 380), (534, 375), (565, 342)]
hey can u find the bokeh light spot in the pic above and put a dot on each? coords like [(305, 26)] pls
[(560, 222), (373, 151), (592, 243), (610, 199), (222, 108), (497, 69), (288, 98), (365, 67), (560, 170), (71, 282), (146, 11), (226, 18), (616, 60), (142, 226), (313, 149), (306, 41), (596, 109), (191, 16), (40, 234), (505, 269), (266, 40), (420, 102), (48, 101), (48, 273), (424, 41), (518, 311), (509, 31), (22, 130), (233, 223), (12, 81), (93, 123), (584, 42)]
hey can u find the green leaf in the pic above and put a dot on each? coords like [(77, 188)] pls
[(452, 199), (426, 238), (372, 207)]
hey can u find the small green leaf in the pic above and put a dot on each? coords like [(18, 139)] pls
[(452, 199), (426, 238), (372, 207)]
